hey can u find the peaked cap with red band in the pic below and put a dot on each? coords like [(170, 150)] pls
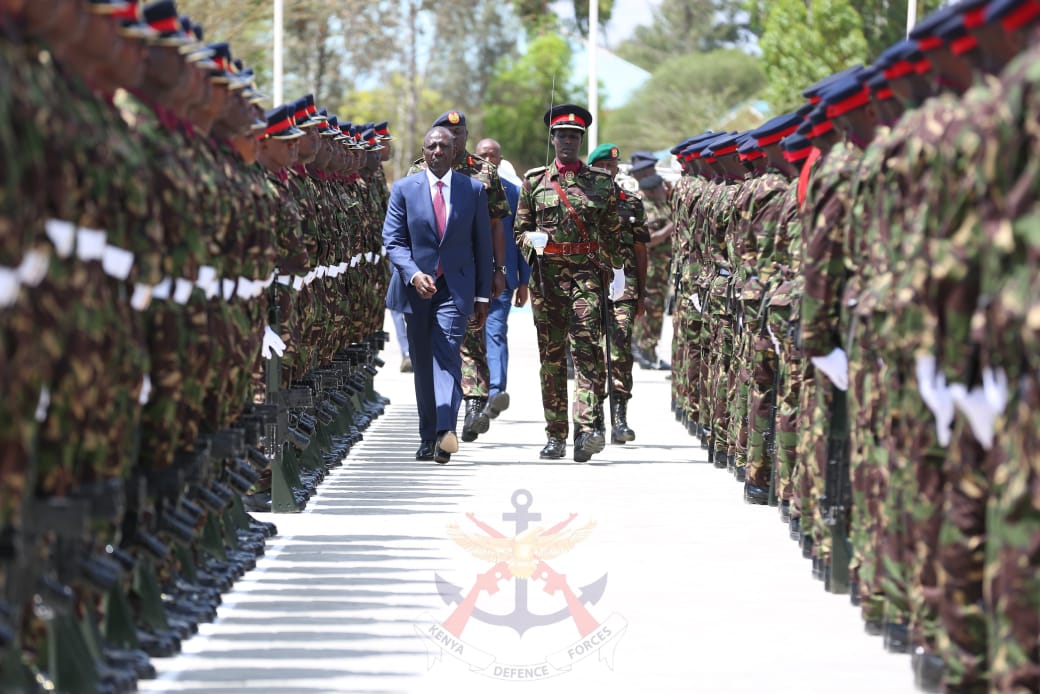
[(568, 116)]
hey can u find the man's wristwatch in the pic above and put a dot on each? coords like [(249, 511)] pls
[(500, 268)]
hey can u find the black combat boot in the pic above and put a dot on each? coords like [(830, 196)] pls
[(621, 433), (554, 449), (476, 422), (587, 444)]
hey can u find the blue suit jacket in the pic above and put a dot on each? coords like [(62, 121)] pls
[(410, 239), (517, 270)]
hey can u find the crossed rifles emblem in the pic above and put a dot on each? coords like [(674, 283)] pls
[(522, 558)]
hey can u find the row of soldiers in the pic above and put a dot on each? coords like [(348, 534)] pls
[(856, 335), (191, 303)]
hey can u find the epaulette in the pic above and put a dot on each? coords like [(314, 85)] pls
[(537, 171)]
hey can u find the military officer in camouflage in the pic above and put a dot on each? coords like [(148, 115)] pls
[(646, 331), (629, 306), (572, 209)]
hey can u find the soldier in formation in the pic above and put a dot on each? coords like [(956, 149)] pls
[(568, 229), (627, 308), (190, 309), (855, 323)]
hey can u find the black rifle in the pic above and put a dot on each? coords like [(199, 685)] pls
[(774, 401), (605, 311), (837, 498)]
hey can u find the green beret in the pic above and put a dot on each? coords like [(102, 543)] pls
[(604, 151)]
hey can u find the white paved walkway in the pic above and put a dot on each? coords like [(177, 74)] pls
[(700, 593)]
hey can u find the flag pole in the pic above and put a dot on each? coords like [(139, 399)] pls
[(593, 136), (277, 67), (911, 15)]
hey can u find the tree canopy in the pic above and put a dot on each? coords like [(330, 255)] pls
[(682, 27), (686, 95), (801, 47), (519, 95)]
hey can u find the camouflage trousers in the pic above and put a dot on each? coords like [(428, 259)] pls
[(789, 382), (678, 356), (962, 549), (762, 406), (622, 314), (646, 332), (895, 544), (721, 327), (476, 377), (568, 313), (693, 358), (1012, 590), (806, 469), (868, 472), (816, 441), (738, 392)]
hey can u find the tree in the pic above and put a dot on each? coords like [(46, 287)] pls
[(470, 38), (883, 22), (686, 95), (681, 27), (802, 45), (331, 45), (519, 94)]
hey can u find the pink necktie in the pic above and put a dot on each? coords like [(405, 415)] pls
[(439, 209)]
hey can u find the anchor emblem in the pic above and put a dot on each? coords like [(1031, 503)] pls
[(521, 558)]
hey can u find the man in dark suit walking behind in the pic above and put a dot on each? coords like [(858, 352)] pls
[(437, 235)]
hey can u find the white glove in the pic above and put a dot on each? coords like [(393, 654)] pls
[(227, 289), (146, 390), (43, 404), (141, 298), (8, 287), (161, 291), (62, 234), (90, 244), (297, 283), (835, 366), (272, 344), (354, 260), (936, 396), (244, 288), (617, 285), (976, 408), (207, 280), (33, 268), (343, 267), (697, 303), (117, 262), (370, 256), (995, 386), (182, 290)]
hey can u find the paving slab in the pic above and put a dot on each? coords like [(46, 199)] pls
[(656, 577)]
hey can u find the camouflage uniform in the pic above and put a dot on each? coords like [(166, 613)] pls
[(756, 233), (783, 307), (569, 288), (752, 243), (623, 310), (828, 204), (646, 332)]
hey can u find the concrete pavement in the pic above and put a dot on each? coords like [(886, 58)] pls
[(699, 592)]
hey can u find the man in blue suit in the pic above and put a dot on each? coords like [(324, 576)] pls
[(518, 274), (437, 234)]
